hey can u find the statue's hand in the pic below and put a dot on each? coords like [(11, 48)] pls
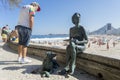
[(77, 42), (73, 40)]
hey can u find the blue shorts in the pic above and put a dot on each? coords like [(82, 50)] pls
[(24, 35)]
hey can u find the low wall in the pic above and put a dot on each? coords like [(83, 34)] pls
[(104, 67)]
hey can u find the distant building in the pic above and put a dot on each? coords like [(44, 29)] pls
[(109, 27)]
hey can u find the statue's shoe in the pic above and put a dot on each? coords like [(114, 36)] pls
[(62, 72)]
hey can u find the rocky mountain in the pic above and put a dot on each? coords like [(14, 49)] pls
[(107, 29), (114, 32)]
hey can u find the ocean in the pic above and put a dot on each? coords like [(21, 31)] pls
[(49, 38)]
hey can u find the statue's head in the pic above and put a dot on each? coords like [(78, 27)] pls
[(76, 18), (50, 55)]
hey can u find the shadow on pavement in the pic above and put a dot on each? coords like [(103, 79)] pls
[(8, 62), (6, 48), (28, 68)]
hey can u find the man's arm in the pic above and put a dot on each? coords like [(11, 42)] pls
[(31, 17), (31, 21)]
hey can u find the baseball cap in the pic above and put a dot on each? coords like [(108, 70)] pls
[(35, 3)]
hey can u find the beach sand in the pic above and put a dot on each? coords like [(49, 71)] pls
[(93, 46)]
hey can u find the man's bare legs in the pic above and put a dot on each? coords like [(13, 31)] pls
[(22, 50), (19, 53)]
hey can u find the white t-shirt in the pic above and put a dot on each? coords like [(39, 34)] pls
[(24, 15)]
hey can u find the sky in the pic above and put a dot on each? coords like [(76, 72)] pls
[(55, 15)]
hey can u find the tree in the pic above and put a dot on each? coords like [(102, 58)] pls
[(11, 3)]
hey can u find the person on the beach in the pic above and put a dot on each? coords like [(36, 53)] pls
[(13, 36), (114, 44), (5, 33), (24, 29), (78, 39)]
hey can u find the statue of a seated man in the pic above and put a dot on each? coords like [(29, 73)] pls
[(78, 39)]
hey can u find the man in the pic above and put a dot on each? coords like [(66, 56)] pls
[(78, 38), (24, 28)]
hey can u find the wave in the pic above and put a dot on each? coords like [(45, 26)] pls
[(49, 39)]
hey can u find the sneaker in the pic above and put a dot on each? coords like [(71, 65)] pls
[(25, 60), (19, 59)]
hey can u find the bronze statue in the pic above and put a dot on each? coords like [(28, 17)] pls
[(49, 65), (78, 39)]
